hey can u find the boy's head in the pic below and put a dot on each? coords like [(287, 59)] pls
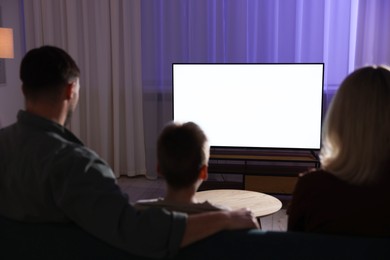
[(183, 154)]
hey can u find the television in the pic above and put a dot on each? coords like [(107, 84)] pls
[(251, 105)]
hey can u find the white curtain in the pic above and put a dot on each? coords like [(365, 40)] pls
[(126, 48), (104, 38), (343, 35), (373, 33), (237, 31)]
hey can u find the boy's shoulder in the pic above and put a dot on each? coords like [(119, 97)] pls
[(189, 208)]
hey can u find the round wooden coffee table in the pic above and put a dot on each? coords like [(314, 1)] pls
[(259, 203)]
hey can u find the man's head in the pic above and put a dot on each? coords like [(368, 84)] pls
[(46, 73), (183, 154)]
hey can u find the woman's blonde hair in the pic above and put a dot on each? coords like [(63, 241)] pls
[(356, 129)]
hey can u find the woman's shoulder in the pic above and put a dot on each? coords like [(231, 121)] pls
[(317, 175), (314, 183), (314, 173)]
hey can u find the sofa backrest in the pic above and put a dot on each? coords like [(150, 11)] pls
[(66, 241)]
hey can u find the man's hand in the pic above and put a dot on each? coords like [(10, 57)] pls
[(241, 219), (200, 226)]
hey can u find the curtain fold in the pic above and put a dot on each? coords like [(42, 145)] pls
[(342, 34), (129, 148), (235, 31), (373, 33), (104, 38), (126, 48)]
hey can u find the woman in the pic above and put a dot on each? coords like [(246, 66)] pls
[(350, 194)]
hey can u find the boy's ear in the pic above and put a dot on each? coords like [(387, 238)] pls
[(203, 174)]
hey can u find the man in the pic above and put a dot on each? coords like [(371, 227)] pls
[(183, 154), (48, 175)]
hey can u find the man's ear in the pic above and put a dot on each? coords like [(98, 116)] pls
[(203, 174), (70, 90)]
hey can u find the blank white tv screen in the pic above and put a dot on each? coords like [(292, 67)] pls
[(252, 105)]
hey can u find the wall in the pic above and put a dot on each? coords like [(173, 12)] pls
[(11, 99)]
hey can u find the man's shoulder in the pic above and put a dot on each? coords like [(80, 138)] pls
[(7, 130)]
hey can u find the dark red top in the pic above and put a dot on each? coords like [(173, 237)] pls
[(323, 203)]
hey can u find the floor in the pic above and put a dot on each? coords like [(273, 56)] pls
[(143, 188)]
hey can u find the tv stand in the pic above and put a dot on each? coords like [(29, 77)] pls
[(267, 171)]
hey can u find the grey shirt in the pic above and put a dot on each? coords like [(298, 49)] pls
[(48, 175)]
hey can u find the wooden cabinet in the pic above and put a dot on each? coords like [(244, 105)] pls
[(268, 171)]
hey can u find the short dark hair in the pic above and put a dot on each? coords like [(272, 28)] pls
[(45, 70), (181, 153)]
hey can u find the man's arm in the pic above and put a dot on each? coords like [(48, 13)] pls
[(84, 189), (202, 225)]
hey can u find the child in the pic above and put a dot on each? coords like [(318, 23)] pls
[(182, 154)]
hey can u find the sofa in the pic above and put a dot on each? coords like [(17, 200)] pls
[(66, 241)]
